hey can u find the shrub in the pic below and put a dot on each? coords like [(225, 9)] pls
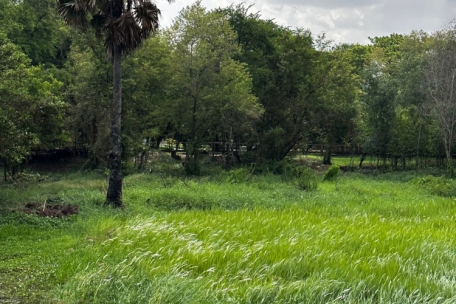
[(451, 170), (286, 166), (236, 176), (192, 168), (128, 168), (307, 179), (332, 173), (249, 157), (437, 185)]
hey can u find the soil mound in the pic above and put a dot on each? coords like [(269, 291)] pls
[(57, 210)]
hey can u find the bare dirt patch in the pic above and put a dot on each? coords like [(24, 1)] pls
[(46, 210)]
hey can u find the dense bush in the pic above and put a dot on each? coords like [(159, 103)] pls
[(192, 168), (307, 179), (332, 173)]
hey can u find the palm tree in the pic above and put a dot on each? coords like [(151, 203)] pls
[(123, 25)]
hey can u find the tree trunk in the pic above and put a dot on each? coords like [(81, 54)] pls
[(145, 155), (327, 156), (394, 162), (417, 164), (114, 195), (5, 171), (190, 162), (229, 155)]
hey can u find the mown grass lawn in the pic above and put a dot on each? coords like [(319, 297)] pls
[(228, 239)]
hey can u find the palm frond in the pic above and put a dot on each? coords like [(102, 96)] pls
[(95, 7), (129, 5), (123, 32), (113, 8), (147, 15), (74, 12), (130, 29), (122, 23)]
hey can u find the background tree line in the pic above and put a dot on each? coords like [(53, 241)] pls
[(227, 78)]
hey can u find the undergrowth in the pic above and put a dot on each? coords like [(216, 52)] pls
[(437, 185)]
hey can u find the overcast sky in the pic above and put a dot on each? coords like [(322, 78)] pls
[(348, 21)]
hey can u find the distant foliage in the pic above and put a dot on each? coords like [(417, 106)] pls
[(332, 173)]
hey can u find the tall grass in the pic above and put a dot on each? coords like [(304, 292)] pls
[(236, 238), (264, 255)]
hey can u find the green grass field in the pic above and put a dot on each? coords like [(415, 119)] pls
[(337, 160), (231, 239), (370, 161)]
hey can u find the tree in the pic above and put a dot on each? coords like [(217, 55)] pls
[(379, 95), (380, 86), (289, 97), (89, 96), (35, 27), (284, 66), (123, 25), (147, 115), (440, 85), (210, 90), (30, 107), (8, 17), (389, 45), (336, 109), (412, 127)]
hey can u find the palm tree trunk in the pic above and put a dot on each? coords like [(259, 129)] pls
[(114, 195)]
